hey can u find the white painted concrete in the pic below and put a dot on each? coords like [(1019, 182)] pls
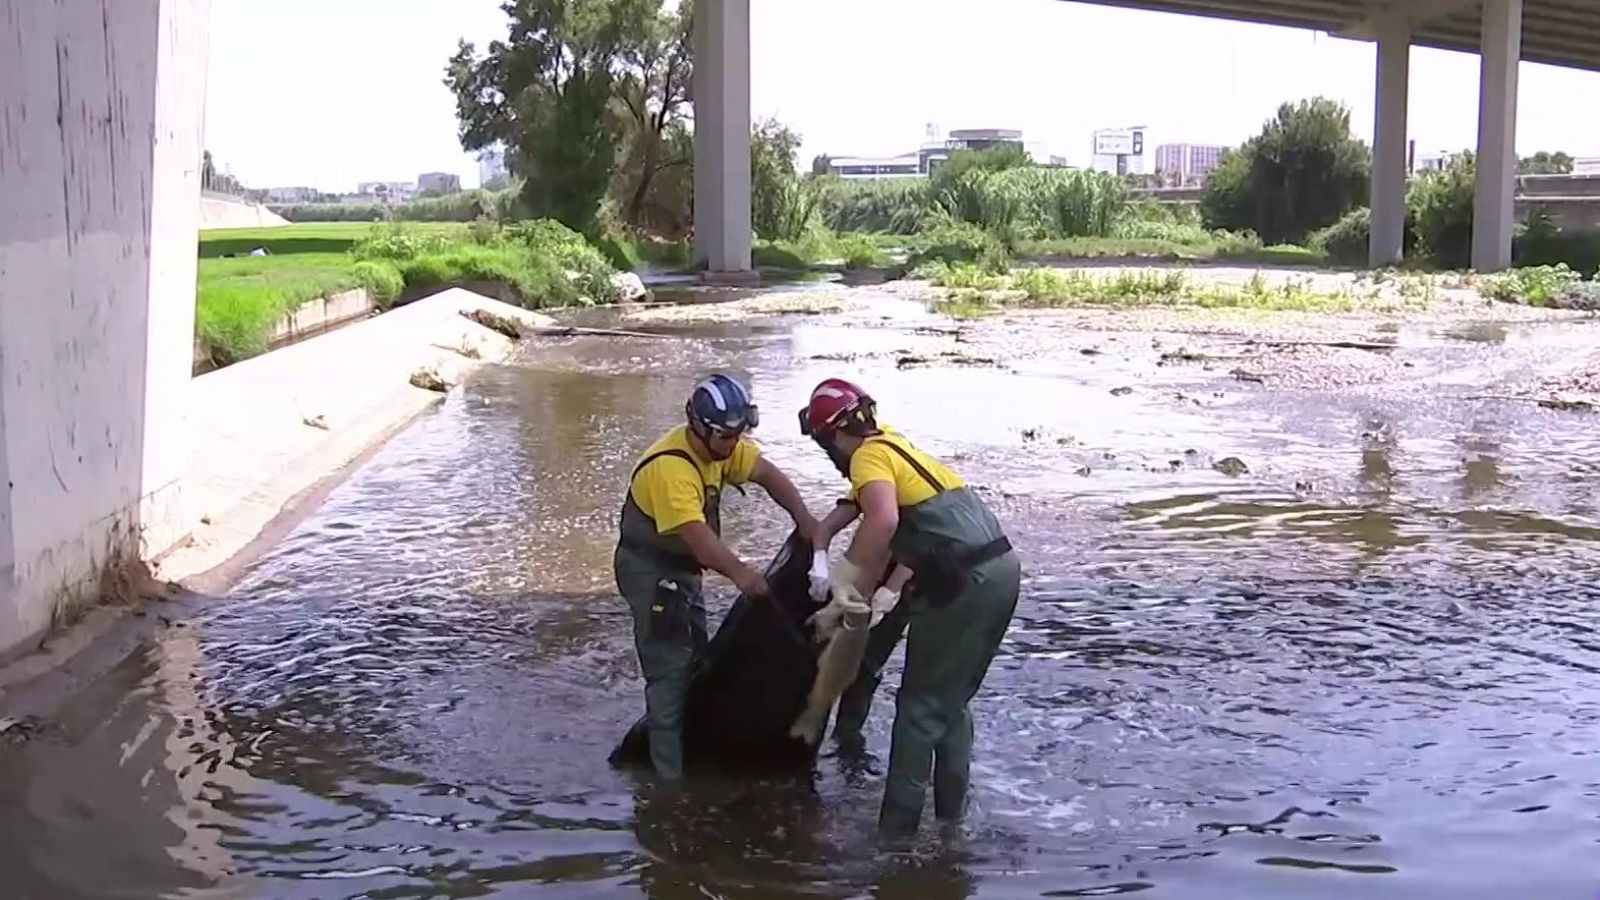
[(216, 212), (322, 314), (99, 167), (1388, 204), (1492, 212), (722, 136), (275, 425)]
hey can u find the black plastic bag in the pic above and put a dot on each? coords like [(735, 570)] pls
[(751, 682)]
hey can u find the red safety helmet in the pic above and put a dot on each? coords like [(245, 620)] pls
[(837, 405)]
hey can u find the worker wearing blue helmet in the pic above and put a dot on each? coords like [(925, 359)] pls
[(671, 531)]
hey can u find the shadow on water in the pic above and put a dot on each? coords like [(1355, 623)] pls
[(1363, 669)]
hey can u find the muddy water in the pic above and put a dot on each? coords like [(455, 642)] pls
[(1364, 669)]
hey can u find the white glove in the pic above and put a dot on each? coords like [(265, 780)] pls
[(819, 576), (827, 621), (883, 600)]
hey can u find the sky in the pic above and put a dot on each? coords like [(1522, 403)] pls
[(328, 93)]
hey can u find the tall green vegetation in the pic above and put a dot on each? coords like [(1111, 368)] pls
[(1304, 171), (551, 94)]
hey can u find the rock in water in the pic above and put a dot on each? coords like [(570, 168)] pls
[(752, 681), (629, 286)]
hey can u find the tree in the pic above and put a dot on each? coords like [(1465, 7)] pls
[(1303, 172), (548, 92), (653, 100), (1545, 163), (821, 164)]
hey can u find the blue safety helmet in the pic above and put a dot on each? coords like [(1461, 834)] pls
[(721, 404)]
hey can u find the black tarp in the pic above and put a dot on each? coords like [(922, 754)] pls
[(752, 679)]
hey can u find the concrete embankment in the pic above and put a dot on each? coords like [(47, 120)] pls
[(267, 438)]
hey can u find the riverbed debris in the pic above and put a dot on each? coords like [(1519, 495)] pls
[(950, 357), (1232, 466), (428, 380), (1558, 403), (505, 325), (1247, 375), (1121, 391)]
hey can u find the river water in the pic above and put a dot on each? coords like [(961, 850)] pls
[(1366, 668)]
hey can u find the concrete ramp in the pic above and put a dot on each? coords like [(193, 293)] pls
[(231, 212)]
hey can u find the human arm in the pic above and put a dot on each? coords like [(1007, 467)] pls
[(712, 553), (869, 549), (785, 494), (837, 520)]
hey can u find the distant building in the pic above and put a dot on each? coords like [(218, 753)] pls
[(387, 191), (292, 195), (983, 138), (438, 183), (928, 157), (492, 166), (907, 165), (1188, 163)]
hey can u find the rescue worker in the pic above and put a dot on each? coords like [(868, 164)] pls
[(671, 531), (963, 590)]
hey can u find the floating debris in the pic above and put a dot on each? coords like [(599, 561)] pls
[(1246, 375), (316, 422), (1121, 391)]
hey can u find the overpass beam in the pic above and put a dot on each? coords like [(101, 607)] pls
[(1492, 208), (722, 139), (1388, 206), (100, 175)]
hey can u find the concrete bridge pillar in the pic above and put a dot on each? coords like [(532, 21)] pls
[(1493, 213), (1388, 206), (100, 171), (722, 139)]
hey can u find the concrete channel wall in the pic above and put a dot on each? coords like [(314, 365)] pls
[(99, 168)]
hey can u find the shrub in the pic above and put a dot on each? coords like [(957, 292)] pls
[(1302, 172), (960, 242), (1346, 241), (860, 252), (1534, 286), (397, 242), (1543, 244), (1440, 206), (381, 278), (568, 249)]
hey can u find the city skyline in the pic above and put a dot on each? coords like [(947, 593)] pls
[(1109, 66)]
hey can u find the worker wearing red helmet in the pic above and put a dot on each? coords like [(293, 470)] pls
[(671, 527), (963, 590)]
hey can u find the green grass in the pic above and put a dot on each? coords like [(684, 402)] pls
[(239, 299), (309, 237), (1163, 249), (976, 292)]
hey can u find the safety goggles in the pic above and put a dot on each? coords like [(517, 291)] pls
[(751, 420)]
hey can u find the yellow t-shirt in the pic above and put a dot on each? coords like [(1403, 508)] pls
[(672, 493), (875, 461)]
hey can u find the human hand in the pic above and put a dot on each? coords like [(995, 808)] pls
[(751, 583), (808, 526), (819, 575)]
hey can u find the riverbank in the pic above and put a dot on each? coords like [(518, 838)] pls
[(269, 437)]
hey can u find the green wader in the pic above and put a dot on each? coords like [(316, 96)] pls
[(958, 607), (660, 579)]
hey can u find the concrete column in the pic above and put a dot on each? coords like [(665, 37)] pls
[(99, 168), (1492, 211), (722, 138), (1387, 239)]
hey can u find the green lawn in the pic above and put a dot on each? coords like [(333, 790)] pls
[(306, 237), (239, 299)]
